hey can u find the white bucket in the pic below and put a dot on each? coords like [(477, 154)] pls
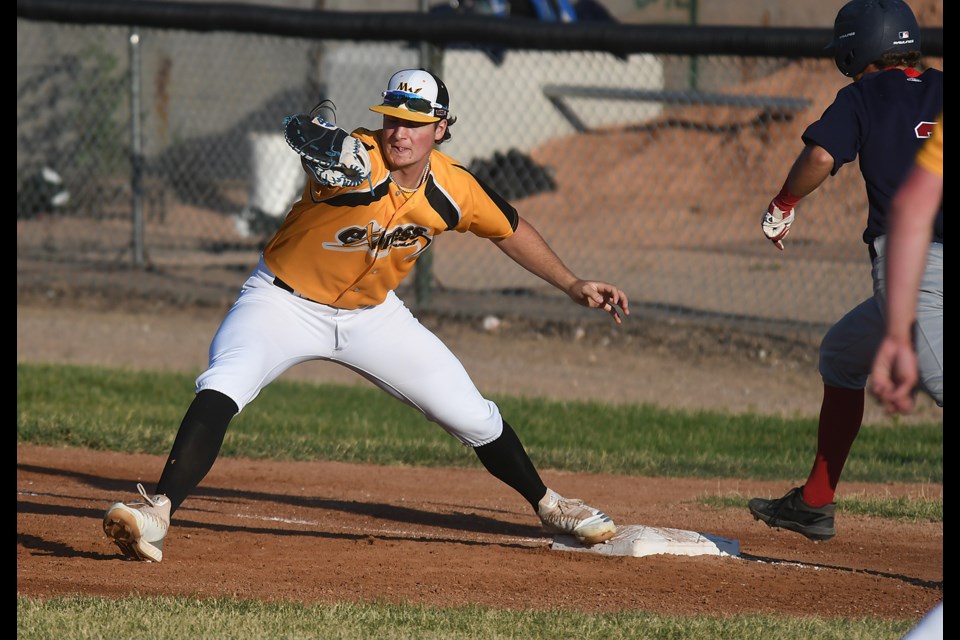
[(276, 178)]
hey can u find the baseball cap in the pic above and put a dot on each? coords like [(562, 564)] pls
[(417, 95)]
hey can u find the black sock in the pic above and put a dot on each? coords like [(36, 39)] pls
[(507, 460), (197, 445)]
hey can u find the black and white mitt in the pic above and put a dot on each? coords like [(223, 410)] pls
[(332, 156)]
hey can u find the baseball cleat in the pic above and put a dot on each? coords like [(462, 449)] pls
[(792, 513), (138, 528), (564, 515)]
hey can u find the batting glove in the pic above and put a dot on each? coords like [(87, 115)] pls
[(776, 224)]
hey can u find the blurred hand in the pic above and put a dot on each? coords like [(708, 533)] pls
[(894, 376)]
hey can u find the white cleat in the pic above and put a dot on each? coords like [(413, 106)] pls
[(139, 528), (564, 515)]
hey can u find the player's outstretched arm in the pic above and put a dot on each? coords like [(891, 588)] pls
[(527, 248), (811, 168)]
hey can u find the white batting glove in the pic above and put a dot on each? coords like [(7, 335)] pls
[(776, 224)]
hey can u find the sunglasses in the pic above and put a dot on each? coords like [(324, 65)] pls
[(413, 102)]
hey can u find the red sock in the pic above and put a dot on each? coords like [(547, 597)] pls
[(840, 416)]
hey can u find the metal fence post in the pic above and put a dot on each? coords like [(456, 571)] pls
[(431, 58), (136, 150)]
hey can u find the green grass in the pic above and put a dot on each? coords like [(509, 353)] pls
[(119, 410), (187, 619), (127, 411)]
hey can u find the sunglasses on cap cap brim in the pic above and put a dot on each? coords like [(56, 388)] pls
[(414, 103)]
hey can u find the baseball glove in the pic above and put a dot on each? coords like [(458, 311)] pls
[(331, 155)]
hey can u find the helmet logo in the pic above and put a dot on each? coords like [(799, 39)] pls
[(903, 38)]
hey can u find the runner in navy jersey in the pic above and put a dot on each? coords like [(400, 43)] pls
[(882, 118)]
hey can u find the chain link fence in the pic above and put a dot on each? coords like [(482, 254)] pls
[(151, 163)]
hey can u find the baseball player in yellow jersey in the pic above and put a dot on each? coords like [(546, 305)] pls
[(374, 236), (324, 290)]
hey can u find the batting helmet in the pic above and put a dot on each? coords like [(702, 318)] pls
[(864, 30)]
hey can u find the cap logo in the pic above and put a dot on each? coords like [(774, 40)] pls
[(903, 35), (403, 86)]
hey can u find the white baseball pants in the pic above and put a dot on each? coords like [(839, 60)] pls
[(269, 330)]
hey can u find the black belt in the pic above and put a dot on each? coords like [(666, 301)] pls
[(283, 285)]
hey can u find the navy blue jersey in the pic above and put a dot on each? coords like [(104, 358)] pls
[(884, 119)]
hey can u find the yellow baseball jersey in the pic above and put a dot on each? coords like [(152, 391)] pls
[(348, 247), (930, 156)]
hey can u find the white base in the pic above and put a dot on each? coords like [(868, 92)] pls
[(637, 540)]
